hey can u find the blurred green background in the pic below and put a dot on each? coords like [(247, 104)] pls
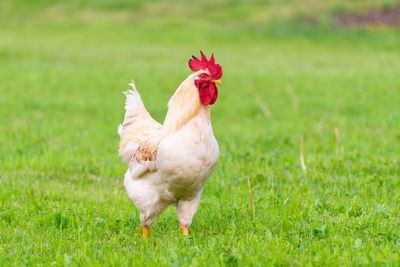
[(290, 68)]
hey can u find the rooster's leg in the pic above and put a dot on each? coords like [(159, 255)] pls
[(185, 209), (145, 232), (147, 218), (184, 229)]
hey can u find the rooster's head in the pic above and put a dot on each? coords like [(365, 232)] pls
[(208, 74)]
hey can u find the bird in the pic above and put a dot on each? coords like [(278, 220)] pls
[(170, 163)]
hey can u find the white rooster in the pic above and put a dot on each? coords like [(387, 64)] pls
[(170, 163)]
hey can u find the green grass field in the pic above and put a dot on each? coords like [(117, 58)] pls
[(63, 68)]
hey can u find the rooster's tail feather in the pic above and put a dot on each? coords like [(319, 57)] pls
[(138, 126), (133, 106)]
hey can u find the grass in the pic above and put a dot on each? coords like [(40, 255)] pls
[(62, 199)]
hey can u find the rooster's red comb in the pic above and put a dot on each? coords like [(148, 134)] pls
[(196, 64)]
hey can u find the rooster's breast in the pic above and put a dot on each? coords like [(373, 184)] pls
[(187, 158)]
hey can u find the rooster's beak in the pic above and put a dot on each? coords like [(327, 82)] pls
[(216, 81)]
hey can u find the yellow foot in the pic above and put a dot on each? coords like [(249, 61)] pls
[(145, 232), (185, 230)]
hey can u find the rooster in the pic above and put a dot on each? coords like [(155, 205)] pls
[(170, 163)]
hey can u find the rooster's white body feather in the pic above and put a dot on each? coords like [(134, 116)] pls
[(168, 163)]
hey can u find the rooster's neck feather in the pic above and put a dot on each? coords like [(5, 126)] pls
[(183, 106)]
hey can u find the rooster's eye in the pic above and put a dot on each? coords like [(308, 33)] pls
[(203, 75)]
